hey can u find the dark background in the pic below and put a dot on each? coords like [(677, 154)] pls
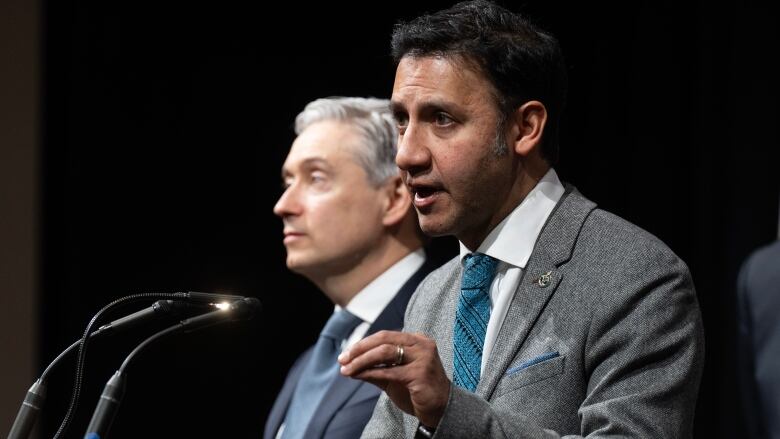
[(165, 125)]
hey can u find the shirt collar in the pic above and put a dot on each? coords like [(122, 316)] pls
[(369, 302), (513, 239)]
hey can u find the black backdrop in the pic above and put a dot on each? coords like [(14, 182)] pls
[(166, 124)]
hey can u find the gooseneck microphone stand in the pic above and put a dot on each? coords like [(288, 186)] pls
[(36, 396), (111, 398)]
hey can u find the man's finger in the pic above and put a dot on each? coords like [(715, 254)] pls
[(393, 338), (381, 375), (380, 356)]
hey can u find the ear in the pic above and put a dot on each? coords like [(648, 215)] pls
[(398, 201), (526, 127)]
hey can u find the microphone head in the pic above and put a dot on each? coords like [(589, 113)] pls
[(197, 296), (245, 308), (163, 306)]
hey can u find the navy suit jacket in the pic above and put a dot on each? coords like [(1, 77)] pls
[(759, 341), (349, 403)]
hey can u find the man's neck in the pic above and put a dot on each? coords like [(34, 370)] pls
[(525, 182), (342, 287)]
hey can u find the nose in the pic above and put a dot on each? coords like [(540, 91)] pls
[(288, 204), (413, 155)]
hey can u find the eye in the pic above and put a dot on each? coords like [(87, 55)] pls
[(317, 177), (401, 120), (443, 119)]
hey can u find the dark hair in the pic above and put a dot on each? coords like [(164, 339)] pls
[(521, 61)]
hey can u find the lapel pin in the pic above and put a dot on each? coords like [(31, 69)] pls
[(544, 279)]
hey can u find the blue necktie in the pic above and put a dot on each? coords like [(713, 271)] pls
[(471, 319), (318, 374)]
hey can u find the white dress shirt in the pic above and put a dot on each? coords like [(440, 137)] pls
[(511, 242), (369, 302)]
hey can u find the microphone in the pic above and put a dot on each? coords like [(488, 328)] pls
[(243, 309), (33, 401), (28, 412), (158, 308), (162, 307), (209, 298), (108, 405)]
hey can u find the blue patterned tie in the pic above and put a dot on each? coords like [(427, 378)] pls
[(471, 318), (318, 374)]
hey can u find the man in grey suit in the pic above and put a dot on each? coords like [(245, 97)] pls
[(558, 318)]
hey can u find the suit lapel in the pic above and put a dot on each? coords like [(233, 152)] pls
[(444, 333), (279, 409), (538, 282)]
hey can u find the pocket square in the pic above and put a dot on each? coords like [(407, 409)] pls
[(532, 361)]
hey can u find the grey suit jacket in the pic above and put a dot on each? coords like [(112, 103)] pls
[(609, 343)]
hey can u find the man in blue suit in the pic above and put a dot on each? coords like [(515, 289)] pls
[(758, 294), (349, 227)]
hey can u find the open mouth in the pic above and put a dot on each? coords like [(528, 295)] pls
[(424, 196), (424, 192)]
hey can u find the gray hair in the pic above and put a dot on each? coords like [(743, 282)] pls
[(373, 120)]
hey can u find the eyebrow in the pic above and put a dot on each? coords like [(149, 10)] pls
[(396, 107), (426, 106), (309, 162)]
